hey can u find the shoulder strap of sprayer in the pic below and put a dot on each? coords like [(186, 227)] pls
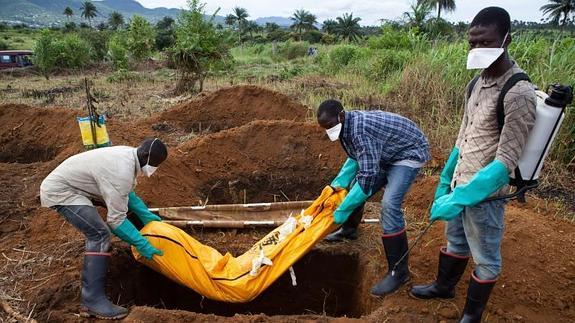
[(510, 83)]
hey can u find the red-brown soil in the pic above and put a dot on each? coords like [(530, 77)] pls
[(252, 160), (228, 108)]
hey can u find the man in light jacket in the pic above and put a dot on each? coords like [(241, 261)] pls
[(107, 175)]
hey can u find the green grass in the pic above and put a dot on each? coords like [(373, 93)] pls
[(19, 38), (411, 75)]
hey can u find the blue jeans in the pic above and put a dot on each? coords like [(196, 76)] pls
[(478, 233), (397, 180), (86, 219)]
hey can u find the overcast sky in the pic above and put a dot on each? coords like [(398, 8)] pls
[(369, 10)]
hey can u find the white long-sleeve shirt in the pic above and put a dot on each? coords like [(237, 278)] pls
[(106, 174)]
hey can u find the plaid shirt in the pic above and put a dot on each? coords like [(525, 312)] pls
[(377, 139)]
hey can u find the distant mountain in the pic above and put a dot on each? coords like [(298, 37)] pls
[(281, 21), (50, 12)]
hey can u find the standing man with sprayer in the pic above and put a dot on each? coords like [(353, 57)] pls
[(479, 166)]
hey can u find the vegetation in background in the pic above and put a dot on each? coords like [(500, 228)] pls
[(89, 11), (200, 48), (140, 38), (415, 66)]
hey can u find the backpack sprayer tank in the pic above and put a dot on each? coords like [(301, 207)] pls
[(550, 113)]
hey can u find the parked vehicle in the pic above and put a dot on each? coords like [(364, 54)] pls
[(15, 58)]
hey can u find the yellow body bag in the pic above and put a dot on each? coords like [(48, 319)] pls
[(239, 279)]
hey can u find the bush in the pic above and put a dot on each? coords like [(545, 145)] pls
[(117, 52), (278, 35), (200, 49), (312, 36), (338, 57), (165, 33), (45, 53), (291, 50), (140, 38), (383, 63), (72, 52), (70, 27), (328, 39), (390, 39), (98, 41)]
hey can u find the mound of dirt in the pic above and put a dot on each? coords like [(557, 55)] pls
[(228, 108), (262, 161), (29, 135)]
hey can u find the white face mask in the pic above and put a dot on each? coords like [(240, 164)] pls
[(147, 169), (333, 132), (482, 58)]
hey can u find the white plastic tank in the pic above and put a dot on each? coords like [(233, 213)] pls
[(549, 116)]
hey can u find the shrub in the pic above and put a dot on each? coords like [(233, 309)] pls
[(338, 57), (45, 54), (312, 36), (72, 52), (200, 48), (390, 39), (291, 50), (98, 41), (117, 52), (140, 38)]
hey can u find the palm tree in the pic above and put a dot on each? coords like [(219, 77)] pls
[(68, 12), (329, 26), (447, 5), (418, 15), (89, 11), (230, 20), (252, 27), (348, 27), (558, 8), (271, 27), (241, 16), (303, 20), (116, 20)]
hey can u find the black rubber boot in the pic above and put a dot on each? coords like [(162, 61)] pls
[(348, 230), (451, 268), (94, 300), (477, 297), (395, 246)]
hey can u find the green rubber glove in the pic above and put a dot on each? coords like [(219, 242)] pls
[(352, 201), (446, 176), (128, 232), (139, 208), (486, 181), (346, 174)]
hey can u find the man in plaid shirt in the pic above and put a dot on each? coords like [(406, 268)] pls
[(384, 150)]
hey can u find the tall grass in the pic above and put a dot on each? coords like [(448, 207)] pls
[(409, 74)]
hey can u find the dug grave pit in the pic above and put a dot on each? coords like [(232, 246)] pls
[(320, 290)]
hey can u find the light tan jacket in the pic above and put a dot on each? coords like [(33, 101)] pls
[(106, 174)]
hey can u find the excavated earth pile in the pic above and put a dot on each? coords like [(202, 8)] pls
[(244, 145)]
